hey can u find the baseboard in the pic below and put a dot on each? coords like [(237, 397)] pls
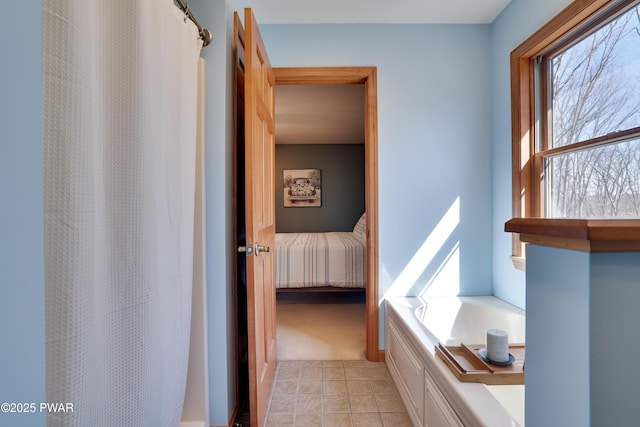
[(193, 424), (381, 356)]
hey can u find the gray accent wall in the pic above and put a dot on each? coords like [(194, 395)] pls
[(342, 167)]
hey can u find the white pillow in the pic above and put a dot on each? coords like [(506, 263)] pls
[(360, 228)]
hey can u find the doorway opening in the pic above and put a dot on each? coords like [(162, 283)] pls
[(366, 76), (320, 306)]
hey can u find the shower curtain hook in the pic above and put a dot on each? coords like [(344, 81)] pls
[(186, 12)]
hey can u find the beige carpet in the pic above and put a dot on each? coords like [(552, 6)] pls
[(324, 330)]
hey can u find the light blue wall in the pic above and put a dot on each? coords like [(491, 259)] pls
[(22, 346), (433, 145), (615, 292), (558, 340), (516, 23), (433, 140), (443, 101), (218, 17), (582, 309)]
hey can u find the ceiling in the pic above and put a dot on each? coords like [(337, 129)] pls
[(377, 11), (334, 114), (320, 114)]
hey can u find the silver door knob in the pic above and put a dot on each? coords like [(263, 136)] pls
[(261, 248)]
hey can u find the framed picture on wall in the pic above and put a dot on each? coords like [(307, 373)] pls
[(302, 188)]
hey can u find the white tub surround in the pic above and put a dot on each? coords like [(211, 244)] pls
[(432, 394), (583, 289)]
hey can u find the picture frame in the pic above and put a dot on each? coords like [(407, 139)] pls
[(302, 188)]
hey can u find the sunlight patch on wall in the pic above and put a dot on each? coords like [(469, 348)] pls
[(446, 281), (425, 255)]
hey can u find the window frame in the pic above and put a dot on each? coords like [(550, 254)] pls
[(577, 19)]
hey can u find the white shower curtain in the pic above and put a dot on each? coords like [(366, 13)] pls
[(120, 90)]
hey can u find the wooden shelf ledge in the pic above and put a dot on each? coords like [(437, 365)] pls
[(588, 235)]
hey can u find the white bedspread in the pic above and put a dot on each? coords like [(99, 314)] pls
[(306, 260)]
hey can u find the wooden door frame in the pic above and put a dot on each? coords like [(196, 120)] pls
[(368, 77)]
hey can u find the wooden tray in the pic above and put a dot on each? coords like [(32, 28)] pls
[(467, 365)]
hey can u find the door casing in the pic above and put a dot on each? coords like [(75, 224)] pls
[(368, 77)]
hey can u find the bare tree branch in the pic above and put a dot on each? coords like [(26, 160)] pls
[(593, 95)]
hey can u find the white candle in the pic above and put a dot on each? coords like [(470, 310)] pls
[(497, 345)]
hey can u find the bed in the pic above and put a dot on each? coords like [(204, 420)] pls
[(319, 260)]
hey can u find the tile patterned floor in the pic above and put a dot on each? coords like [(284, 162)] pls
[(349, 393)]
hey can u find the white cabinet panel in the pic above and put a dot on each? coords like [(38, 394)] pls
[(438, 412), (408, 373)]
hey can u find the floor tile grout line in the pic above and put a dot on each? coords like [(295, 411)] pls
[(374, 375)]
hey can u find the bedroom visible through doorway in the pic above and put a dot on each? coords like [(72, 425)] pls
[(320, 195)]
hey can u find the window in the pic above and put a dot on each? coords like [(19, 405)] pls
[(576, 115)]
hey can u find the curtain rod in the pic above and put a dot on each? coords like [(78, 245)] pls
[(205, 34)]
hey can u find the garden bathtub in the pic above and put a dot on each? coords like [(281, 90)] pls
[(431, 392)]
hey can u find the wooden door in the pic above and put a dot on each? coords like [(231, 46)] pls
[(259, 206)]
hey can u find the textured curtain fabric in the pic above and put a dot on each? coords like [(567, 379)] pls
[(120, 90)]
